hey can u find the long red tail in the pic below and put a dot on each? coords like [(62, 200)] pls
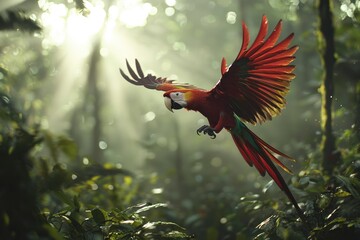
[(258, 153)]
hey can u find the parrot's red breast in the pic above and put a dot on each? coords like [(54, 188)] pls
[(208, 105)]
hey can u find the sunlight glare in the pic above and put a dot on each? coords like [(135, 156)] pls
[(135, 13), (85, 161), (169, 11), (149, 116), (54, 19), (57, 19), (83, 27), (103, 145), (170, 3), (157, 190), (231, 17)]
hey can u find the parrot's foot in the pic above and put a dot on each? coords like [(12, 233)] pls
[(206, 130)]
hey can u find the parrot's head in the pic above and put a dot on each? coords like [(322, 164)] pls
[(176, 99)]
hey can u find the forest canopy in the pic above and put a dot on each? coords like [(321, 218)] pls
[(86, 155)]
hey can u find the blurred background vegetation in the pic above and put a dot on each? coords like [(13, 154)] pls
[(85, 155)]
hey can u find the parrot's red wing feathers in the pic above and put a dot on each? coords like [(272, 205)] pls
[(257, 81), (150, 81)]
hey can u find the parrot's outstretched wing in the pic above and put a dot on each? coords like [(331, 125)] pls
[(150, 81), (257, 81)]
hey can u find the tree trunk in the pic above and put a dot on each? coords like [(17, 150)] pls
[(327, 49), (94, 96)]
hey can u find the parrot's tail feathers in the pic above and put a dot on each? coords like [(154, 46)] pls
[(255, 154), (269, 150), (272, 149), (249, 154), (258, 153)]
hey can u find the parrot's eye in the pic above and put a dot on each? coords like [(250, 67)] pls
[(177, 96)]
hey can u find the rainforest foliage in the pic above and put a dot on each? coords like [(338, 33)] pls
[(85, 155)]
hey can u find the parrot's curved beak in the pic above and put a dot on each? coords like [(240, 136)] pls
[(167, 102), (171, 104)]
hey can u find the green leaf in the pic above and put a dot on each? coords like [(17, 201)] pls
[(175, 235), (153, 225), (53, 233), (268, 223), (324, 202), (304, 180), (68, 147), (352, 184), (65, 198), (149, 207), (336, 221), (96, 170), (98, 216), (267, 186), (342, 194), (77, 226), (122, 227)]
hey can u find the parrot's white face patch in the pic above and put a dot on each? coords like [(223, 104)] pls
[(179, 98), (176, 100)]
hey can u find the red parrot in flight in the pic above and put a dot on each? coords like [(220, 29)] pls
[(251, 90)]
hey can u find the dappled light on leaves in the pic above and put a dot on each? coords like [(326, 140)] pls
[(349, 8)]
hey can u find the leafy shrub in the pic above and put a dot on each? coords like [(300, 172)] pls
[(40, 196)]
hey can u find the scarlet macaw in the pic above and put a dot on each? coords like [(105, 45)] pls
[(251, 90)]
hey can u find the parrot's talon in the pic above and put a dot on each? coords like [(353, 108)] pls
[(206, 130), (201, 129)]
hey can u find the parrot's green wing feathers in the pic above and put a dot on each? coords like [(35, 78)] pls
[(151, 81)]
